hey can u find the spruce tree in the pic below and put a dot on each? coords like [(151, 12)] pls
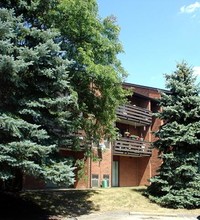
[(93, 44), (177, 184), (38, 107)]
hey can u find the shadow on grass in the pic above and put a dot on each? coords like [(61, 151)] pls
[(13, 207), (71, 203), (43, 205), (140, 190)]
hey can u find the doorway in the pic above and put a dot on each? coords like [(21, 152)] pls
[(115, 173)]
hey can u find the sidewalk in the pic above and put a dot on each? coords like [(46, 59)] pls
[(120, 215)]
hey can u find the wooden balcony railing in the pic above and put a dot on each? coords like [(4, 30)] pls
[(129, 147), (77, 142), (134, 113)]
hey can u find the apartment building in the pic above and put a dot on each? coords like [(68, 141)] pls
[(130, 160)]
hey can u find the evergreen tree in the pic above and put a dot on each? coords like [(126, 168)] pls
[(50, 94), (93, 44), (38, 107), (177, 184)]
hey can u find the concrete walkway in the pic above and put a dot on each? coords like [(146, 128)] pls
[(134, 216)]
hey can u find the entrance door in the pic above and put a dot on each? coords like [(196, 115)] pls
[(115, 173)]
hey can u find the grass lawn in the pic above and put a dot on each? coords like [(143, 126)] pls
[(42, 204)]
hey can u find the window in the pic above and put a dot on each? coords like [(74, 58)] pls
[(95, 180)]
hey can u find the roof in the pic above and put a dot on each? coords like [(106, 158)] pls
[(145, 87), (143, 96)]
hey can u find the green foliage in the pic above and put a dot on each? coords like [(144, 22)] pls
[(59, 73), (97, 74), (177, 184), (38, 108), (81, 171)]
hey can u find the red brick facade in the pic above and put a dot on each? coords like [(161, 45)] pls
[(131, 168)]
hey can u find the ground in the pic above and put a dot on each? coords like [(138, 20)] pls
[(83, 204)]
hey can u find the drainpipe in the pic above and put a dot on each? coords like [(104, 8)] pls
[(90, 167), (111, 143), (150, 171)]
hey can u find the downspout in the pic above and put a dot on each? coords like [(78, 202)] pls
[(150, 171), (90, 167)]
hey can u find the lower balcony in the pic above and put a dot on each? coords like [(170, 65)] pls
[(130, 147)]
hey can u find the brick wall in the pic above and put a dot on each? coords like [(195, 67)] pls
[(155, 161), (144, 170), (102, 165), (137, 171), (128, 169), (30, 182), (133, 171), (82, 181)]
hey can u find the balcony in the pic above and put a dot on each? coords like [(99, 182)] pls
[(130, 147), (137, 115), (77, 141)]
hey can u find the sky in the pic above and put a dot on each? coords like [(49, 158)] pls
[(156, 35)]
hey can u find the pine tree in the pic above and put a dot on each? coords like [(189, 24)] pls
[(38, 107), (177, 184)]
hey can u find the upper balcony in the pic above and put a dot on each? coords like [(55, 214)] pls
[(134, 114), (130, 147)]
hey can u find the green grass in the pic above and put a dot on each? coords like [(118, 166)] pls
[(34, 204), (130, 199)]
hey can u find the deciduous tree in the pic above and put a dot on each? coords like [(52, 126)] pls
[(97, 74)]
